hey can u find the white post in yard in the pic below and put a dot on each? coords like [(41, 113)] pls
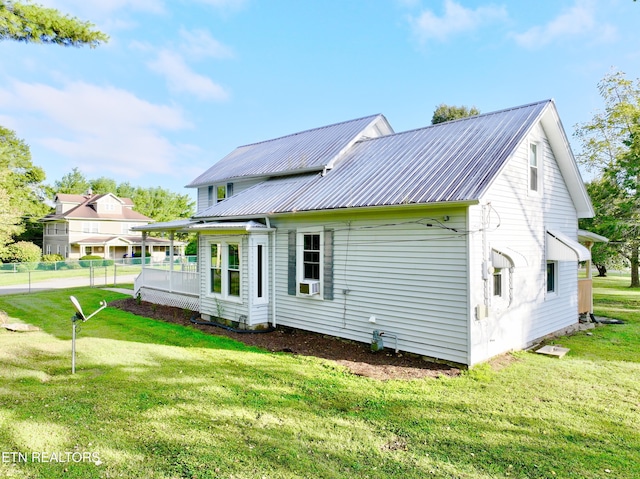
[(171, 235)]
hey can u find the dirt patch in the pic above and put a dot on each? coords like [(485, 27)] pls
[(357, 357)]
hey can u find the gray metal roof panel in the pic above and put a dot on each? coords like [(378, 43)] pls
[(303, 151), (448, 162)]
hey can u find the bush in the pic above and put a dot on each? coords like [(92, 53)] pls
[(52, 258), (22, 252)]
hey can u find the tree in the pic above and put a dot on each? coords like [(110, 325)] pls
[(161, 204), (444, 112), (103, 185), (9, 218), (611, 146), (27, 22), (74, 183), (23, 181)]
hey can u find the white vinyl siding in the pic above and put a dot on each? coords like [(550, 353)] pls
[(238, 187), (411, 277), (523, 220)]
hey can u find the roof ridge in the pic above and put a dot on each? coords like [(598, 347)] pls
[(311, 129), (458, 120)]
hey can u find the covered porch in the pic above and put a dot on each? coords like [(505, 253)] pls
[(230, 280), (130, 246)]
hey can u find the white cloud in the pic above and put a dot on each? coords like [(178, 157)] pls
[(579, 20), (181, 78), (456, 19), (101, 129), (200, 44)]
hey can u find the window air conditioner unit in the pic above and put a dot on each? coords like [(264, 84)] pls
[(309, 287)]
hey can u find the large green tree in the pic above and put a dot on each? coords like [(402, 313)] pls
[(29, 22), (73, 183), (444, 112), (611, 147), (22, 180)]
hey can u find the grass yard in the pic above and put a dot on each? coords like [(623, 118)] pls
[(157, 400)]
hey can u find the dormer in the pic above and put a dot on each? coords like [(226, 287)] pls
[(107, 204), (64, 202)]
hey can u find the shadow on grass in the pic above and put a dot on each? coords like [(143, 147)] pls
[(52, 312)]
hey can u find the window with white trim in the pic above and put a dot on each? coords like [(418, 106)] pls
[(534, 177), (311, 254), (90, 227), (216, 269), (552, 276), (309, 263), (225, 263), (233, 270), (497, 282)]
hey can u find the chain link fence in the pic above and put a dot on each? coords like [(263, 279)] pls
[(94, 273)]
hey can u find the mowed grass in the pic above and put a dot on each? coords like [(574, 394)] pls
[(156, 400)]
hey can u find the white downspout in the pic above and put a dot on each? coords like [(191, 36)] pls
[(273, 274)]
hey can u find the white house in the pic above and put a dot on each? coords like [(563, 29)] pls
[(459, 241)]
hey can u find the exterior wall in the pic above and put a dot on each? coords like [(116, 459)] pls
[(55, 238), (238, 186), (411, 277), (519, 219)]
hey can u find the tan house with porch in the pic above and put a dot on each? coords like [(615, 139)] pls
[(98, 225)]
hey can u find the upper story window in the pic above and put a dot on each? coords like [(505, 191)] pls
[(533, 167), (90, 227), (218, 193)]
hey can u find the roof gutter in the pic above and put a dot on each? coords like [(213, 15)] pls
[(347, 209)]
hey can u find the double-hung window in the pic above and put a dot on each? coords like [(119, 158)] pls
[(225, 269), (311, 256), (216, 268), (233, 269)]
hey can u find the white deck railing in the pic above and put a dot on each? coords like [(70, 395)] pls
[(186, 282)]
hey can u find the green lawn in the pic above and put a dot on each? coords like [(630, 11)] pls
[(156, 400)]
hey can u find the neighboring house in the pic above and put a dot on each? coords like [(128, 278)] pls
[(459, 241), (97, 225)]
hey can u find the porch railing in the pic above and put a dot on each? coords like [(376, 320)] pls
[(186, 282)]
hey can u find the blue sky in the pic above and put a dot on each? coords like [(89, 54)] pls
[(183, 82)]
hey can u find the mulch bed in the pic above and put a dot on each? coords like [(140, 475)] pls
[(357, 357)]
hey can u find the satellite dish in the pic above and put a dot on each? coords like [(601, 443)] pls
[(76, 305)]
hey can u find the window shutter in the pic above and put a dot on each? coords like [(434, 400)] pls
[(328, 264), (291, 278)]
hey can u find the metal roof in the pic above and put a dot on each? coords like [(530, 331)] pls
[(310, 150), (449, 162)]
